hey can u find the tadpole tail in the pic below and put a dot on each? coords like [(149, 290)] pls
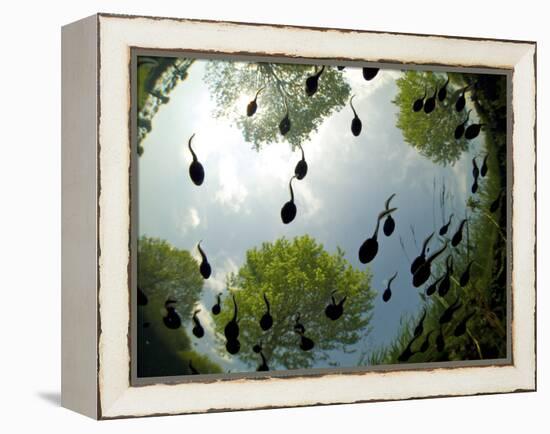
[(190, 148), (203, 255)]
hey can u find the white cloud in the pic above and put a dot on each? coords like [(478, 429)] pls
[(190, 220), (275, 163), (232, 192), (216, 283), (307, 199), (194, 218)]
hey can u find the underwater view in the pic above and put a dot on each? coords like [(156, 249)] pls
[(297, 216)]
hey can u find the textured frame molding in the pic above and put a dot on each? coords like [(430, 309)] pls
[(96, 215)]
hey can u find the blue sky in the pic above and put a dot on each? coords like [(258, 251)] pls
[(348, 181)]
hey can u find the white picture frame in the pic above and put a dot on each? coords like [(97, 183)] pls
[(96, 245)]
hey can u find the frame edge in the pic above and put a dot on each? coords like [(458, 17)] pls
[(79, 217), (528, 384)]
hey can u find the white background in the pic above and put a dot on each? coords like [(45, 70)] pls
[(30, 226)]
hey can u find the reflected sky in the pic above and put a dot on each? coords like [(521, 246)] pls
[(349, 179)]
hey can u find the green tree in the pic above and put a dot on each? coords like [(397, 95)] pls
[(230, 81), (166, 272), (297, 276), (431, 134)]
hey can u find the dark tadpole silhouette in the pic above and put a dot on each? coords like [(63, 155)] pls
[(233, 346), (419, 103), (306, 343), (475, 173), (263, 366), (426, 344), (445, 227), (423, 273), (196, 171), (475, 168), (429, 105), (285, 124), (369, 248), (387, 292), (433, 286), (253, 105), (216, 309), (267, 320), (407, 352), (442, 94), (475, 186), (465, 277), (198, 329), (461, 327), (312, 82), (370, 73), (440, 341), (341, 68), (298, 326), (473, 131), (205, 268), (447, 316), (172, 319), (389, 223), (146, 324), (457, 237), (335, 310), (257, 347), (231, 332), (301, 167), (288, 211), (420, 259), (142, 299), (459, 130), (484, 167), (419, 329), (356, 124), (445, 284), (193, 369)]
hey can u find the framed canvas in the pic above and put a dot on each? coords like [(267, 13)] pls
[(262, 216)]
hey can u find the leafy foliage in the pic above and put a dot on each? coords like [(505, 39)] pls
[(485, 294), (229, 82), (166, 272), (297, 276), (157, 345), (431, 134)]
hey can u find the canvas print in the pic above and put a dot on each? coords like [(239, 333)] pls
[(312, 216)]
